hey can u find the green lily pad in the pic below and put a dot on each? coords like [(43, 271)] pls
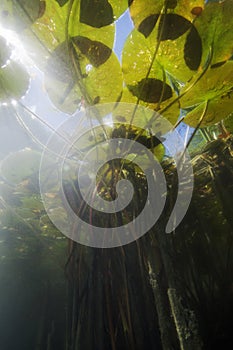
[(216, 82), (216, 88), (5, 51), (101, 13), (14, 81), (19, 165), (151, 90), (96, 13), (179, 57), (84, 74), (96, 52), (142, 12), (62, 2), (50, 28), (18, 15), (215, 27)]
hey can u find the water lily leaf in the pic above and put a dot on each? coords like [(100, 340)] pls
[(95, 51), (171, 114), (215, 27), (14, 81), (172, 26), (188, 50), (151, 90), (101, 13), (174, 36), (5, 51), (148, 24), (193, 49), (136, 61), (216, 87), (6, 13), (51, 31), (33, 9), (188, 9), (179, 58), (216, 82), (83, 74), (136, 58), (51, 27), (217, 109), (143, 12), (18, 15), (20, 165), (62, 2), (146, 117), (96, 13), (103, 85), (60, 64)]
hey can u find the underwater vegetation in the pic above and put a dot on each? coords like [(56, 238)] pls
[(163, 290)]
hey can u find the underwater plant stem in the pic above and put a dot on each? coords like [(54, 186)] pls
[(109, 315), (162, 309), (185, 323), (75, 67)]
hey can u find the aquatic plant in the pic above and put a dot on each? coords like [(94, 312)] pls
[(163, 290)]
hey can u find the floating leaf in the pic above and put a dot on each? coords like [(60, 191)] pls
[(172, 26), (216, 87), (51, 27), (142, 119), (193, 49), (172, 56), (62, 2), (142, 11), (14, 81), (178, 45), (216, 82), (215, 27), (18, 15), (188, 9), (51, 30), (217, 110), (171, 4), (148, 24), (5, 51), (101, 13), (20, 165), (60, 64), (32, 8), (96, 13), (181, 57), (136, 59), (105, 82), (95, 51), (151, 90), (83, 74)]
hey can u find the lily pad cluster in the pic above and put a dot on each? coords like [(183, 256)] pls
[(177, 58), (185, 46)]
